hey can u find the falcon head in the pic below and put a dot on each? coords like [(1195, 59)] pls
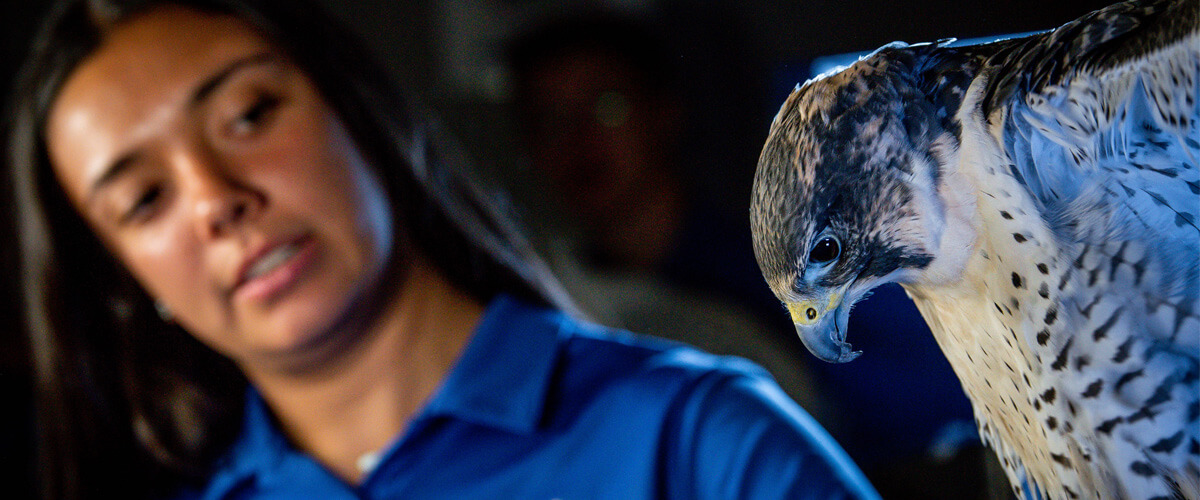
[(846, 193)]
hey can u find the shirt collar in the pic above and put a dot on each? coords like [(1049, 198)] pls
[(502, 376), (500, 381)]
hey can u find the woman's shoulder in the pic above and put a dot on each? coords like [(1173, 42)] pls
[(712, 413), (599, 362), (616, 352)]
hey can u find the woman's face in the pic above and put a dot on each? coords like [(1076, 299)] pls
[(212, 168)]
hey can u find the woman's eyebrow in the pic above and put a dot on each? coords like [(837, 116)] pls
[(211, 83), (109, 175)]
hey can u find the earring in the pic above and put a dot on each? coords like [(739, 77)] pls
[(163, 313)]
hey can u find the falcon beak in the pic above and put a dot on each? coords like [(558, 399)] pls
[(821, 325)]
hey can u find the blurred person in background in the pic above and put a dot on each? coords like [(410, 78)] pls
[(598, 108)]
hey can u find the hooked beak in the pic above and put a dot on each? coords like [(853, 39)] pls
[(821, 325)]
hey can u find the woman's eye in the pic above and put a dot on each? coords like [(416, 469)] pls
[(143, 204), (825, 250), (254, 117)]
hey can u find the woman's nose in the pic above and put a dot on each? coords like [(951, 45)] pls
[(220, 201)]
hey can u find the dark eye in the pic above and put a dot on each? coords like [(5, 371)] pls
[(256, 115), (825, 250), (143, 204)]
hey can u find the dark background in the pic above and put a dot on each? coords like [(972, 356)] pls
[(739, 58)]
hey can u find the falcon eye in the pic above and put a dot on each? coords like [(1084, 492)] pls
[(824, 251)]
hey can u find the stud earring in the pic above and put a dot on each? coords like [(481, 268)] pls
[(163, 313)]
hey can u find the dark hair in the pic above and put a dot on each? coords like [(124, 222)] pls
[(131, 404)]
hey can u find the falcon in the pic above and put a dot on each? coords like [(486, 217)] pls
[(1038, 199)]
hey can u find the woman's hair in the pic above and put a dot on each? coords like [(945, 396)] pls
[(129, 403)]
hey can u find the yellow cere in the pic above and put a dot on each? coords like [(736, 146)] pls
[(803, 311), (807, 312)]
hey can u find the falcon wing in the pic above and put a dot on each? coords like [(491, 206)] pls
[(1099, 121)]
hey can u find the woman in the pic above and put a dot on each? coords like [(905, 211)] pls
[(251, 272)]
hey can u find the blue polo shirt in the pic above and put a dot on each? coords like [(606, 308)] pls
[(540, 406)]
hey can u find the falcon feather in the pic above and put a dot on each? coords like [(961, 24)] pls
[(1038, 198)]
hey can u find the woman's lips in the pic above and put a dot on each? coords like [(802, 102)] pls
[(275, 269)]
